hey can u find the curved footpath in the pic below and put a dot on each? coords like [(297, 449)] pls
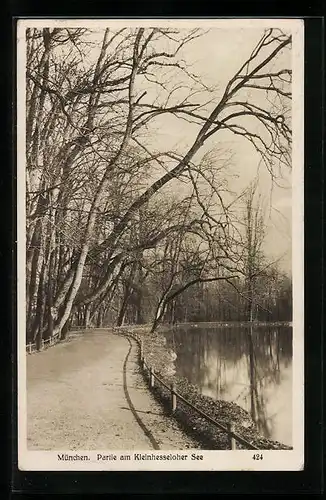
[(88, 393)]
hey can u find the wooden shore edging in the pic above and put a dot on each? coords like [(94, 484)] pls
[(228, 428)]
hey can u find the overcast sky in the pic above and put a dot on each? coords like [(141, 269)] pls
[(214, 58)]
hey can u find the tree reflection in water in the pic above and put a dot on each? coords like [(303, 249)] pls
[(251, 366)]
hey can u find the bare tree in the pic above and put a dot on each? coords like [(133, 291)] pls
[(87, 116)]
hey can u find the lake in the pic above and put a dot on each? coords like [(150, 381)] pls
[(249, 366)]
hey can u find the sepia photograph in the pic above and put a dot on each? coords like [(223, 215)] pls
[(160, 244)]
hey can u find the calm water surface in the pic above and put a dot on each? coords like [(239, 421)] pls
[(252, 367)]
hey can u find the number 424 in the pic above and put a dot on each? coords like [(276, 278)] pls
[(258, 456)]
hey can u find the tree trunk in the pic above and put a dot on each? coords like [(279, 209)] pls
[(64, 330), (49, 310), (99, 322), (123, 308), (158, 315), (87, 315), (139, 305), (39, 312), (76, 281)]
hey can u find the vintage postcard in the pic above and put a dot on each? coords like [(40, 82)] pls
[(160, 262)]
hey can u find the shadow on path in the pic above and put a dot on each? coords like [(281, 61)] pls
[(139, 421)]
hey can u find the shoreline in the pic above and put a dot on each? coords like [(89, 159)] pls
[(160, 358), (233, 324)]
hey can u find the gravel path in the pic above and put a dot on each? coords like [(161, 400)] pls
[(88, 394)]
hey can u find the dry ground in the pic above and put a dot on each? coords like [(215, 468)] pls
[(84, 395)]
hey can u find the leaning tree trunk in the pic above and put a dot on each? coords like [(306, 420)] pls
[(160, 311), (124, 305)]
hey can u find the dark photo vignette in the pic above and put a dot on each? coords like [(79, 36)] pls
[(313, 207)]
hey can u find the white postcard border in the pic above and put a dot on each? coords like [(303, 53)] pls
[(273, 460)]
